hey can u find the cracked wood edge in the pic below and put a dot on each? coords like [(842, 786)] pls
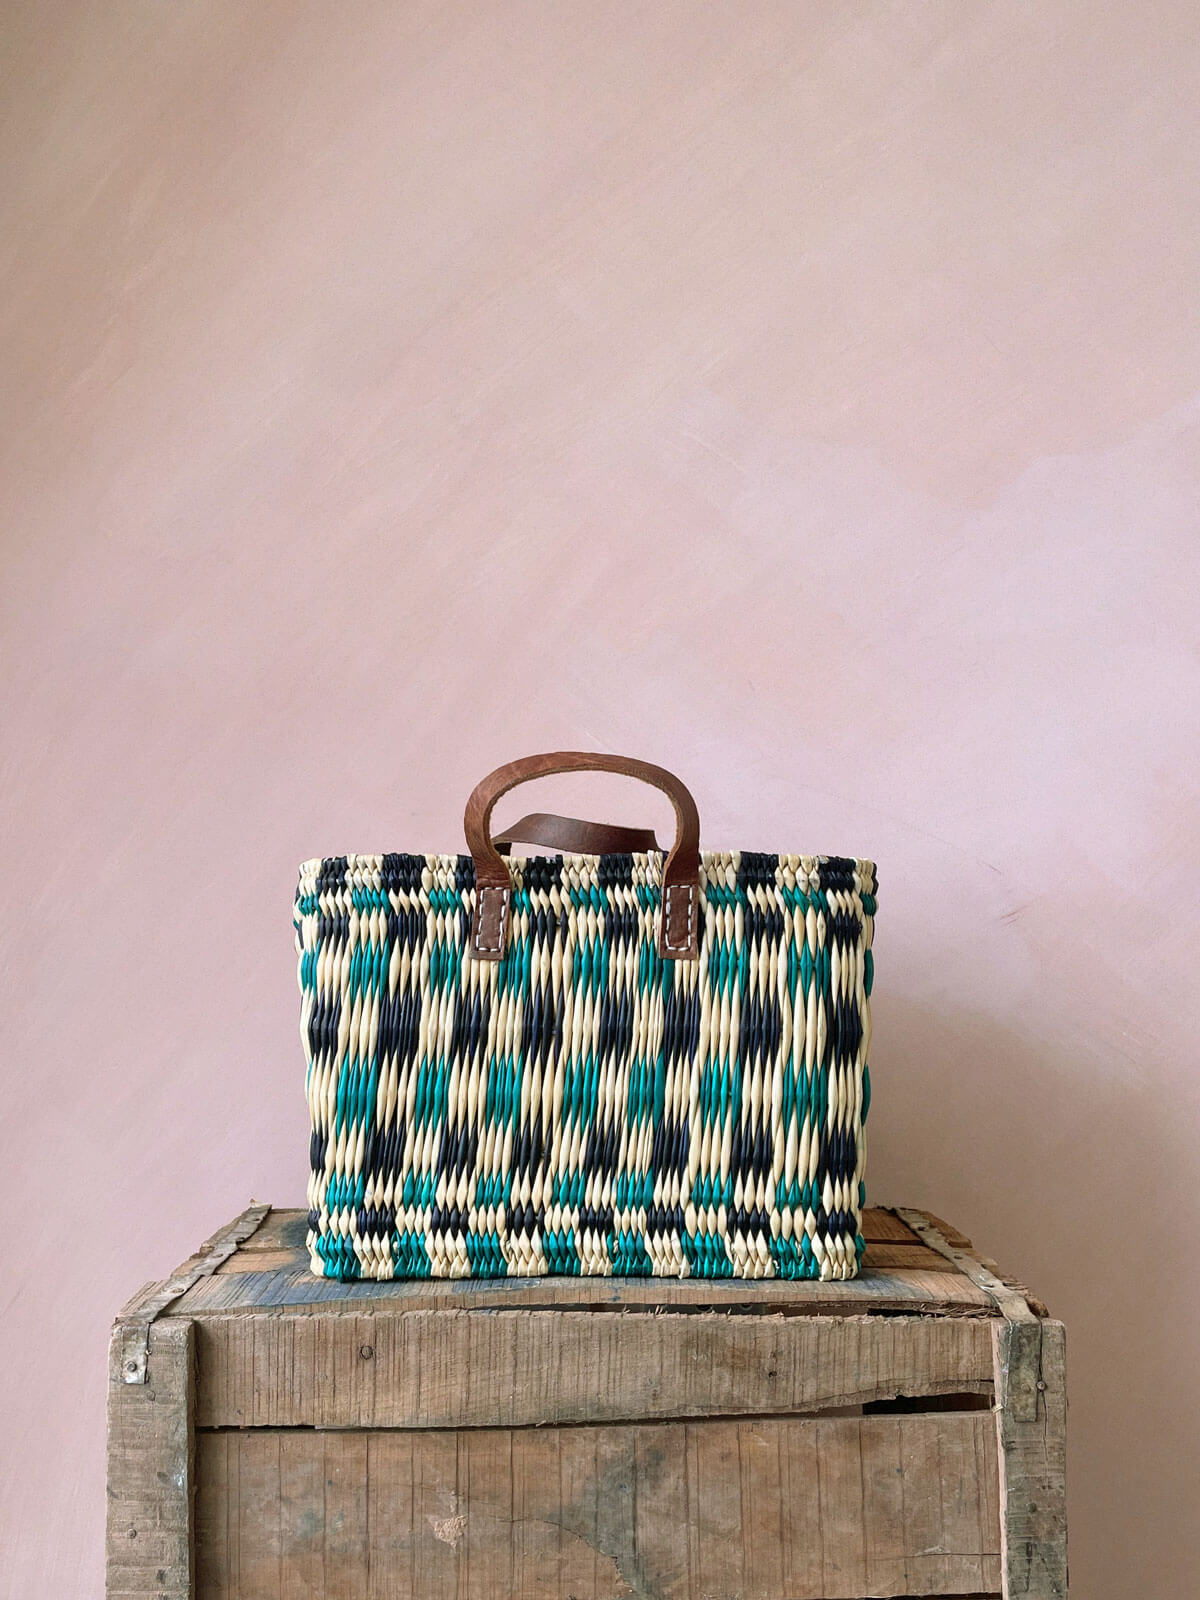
[(130, 1341), (1029, 1361), (511, 1369), (1010, 1302)]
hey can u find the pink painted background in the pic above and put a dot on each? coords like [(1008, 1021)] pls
[(804, 396)]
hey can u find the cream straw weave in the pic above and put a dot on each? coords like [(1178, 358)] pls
[(584, 1106)]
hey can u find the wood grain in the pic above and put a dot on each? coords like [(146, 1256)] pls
[(808, 1509), (510, 1369), (895, 1289), (948, 1231), (150, 1442), (1031, 1417)]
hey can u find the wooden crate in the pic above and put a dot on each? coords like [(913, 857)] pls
[(273, 1436)]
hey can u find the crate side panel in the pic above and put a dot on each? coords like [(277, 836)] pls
[(667, 1511), (512, 1369)]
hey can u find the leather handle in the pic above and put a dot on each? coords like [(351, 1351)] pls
[(677, 927), (575, 837)]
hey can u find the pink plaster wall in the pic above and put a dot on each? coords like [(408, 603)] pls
[(805, 396)]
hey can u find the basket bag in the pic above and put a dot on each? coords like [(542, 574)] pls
[(604, 1061)]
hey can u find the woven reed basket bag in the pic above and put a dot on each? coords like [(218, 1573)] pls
[(604, 1061)]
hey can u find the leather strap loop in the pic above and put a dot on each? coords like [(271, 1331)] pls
[(678, 924), (574, 837)]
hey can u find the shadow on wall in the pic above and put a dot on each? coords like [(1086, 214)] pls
[(1059, 1183)]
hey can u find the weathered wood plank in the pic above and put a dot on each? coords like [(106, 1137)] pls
[(909, 1255), (215, 1548), (130, 1333), (1030, 1377), (1038, 1307), (841, 1514), (150, 1435), (881, 1225), (262, 1260), (719, 1508), (947, 1229), (1010, 1302), (509, 1369), (282, 1229), (893, 1289), (881, 1454), (344, 1570)]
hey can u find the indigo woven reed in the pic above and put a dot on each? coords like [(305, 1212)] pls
[(583, 1105)]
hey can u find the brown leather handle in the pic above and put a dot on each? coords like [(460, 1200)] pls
[(575, 837), (677, 928)]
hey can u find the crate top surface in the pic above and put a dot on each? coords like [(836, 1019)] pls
[(914, 1264)]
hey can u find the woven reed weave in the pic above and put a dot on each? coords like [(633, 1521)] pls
[(584, 1106)]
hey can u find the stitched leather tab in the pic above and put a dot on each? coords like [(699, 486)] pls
[(677, 935), (489, 925)]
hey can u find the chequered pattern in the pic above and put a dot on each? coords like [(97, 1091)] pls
[(583, 1106)]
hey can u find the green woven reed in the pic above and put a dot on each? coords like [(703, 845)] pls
[(583, 1106)]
